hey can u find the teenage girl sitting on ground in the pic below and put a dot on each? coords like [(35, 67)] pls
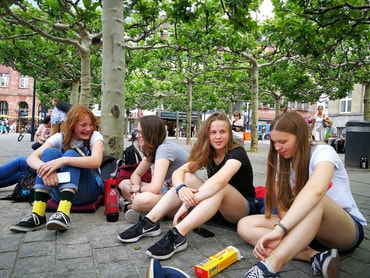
[(310, 188)]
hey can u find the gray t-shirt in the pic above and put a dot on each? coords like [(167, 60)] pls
[(174, 153)]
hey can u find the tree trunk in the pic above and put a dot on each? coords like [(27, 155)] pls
[(75, 91), (85, 72), (189, 86), (254, 88), (277, 107), (367, 102), (113, 77)]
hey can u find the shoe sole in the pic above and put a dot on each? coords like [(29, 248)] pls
[(165, 257), (56, 226), (330, 268), (134, 239), (20, 229)]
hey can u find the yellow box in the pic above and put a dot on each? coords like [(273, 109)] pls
[(218, 262)]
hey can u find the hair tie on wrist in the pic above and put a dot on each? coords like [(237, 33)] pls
[(181, 185), (285, 230)]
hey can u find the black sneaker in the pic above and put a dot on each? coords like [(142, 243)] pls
[(31, 222), (142, 228), (326, 263), (58, 221), (171, 243), (259, 270)]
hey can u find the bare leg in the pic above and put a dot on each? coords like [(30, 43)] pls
[(327, 222)]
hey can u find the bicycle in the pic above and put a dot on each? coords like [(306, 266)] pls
[(25, 129)]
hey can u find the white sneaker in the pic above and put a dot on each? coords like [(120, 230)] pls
[(132, 216)]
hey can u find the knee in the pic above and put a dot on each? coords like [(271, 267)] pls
[(71, 153), (124, 186), (245, 228), (21, 160), (51, 153)]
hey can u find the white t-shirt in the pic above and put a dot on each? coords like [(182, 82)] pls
[(339, 188), (57, 140)]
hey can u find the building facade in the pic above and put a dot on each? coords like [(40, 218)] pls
[(17, 97), (349, 108)]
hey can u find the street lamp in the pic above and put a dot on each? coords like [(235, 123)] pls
[(33, 110)]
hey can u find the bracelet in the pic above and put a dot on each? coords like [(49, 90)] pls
[(181, 185), (285, 230)]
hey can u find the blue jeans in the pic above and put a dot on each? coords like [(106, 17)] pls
[(82, 180), (13, 171)]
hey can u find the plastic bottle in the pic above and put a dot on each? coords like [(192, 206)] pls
[(111, 200)]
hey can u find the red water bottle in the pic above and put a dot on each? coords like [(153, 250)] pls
[(111, 200)]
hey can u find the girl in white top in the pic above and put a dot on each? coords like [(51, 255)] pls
[(310, 188), (317, 129), (78, 151)]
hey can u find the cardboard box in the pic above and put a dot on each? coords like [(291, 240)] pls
[(218, 262)]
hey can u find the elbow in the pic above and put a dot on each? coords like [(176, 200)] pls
[(319, 193)]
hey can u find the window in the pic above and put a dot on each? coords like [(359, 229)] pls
[(346, 104), (4, 108), (23, 109), (4, 82), (23, 83)]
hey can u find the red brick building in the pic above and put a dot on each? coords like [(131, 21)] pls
[(17, 97)]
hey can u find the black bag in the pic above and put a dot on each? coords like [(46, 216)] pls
[(131, 155), (340, 146), (64, 106), (110, 167), (24, 190)]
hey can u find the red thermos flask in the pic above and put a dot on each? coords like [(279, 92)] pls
[(111, 200)]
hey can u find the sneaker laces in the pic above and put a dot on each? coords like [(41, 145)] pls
[(169, 237), (58, 216), (255, 272), (139, 225), (260, 270), (316, 267), (31, 216)]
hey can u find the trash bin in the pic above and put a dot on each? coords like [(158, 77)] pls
[(246, 136), (357, 142)]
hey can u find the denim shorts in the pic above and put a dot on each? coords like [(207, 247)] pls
[(252, 205), (359, 237)]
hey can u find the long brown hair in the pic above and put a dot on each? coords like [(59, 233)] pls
[(202, 151), (153, 132), (278, 168), (73, 116)]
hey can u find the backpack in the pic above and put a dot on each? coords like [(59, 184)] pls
[(125, 172), (131, 155), (110, 167), (24, 190), (64, 106)]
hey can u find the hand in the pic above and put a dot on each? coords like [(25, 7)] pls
[(51, 180), (135, 188), (187, 195), (267, 243), (50, 167), (181, 213), (133, 195)]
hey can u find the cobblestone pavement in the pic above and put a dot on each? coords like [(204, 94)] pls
[(91, 249)]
